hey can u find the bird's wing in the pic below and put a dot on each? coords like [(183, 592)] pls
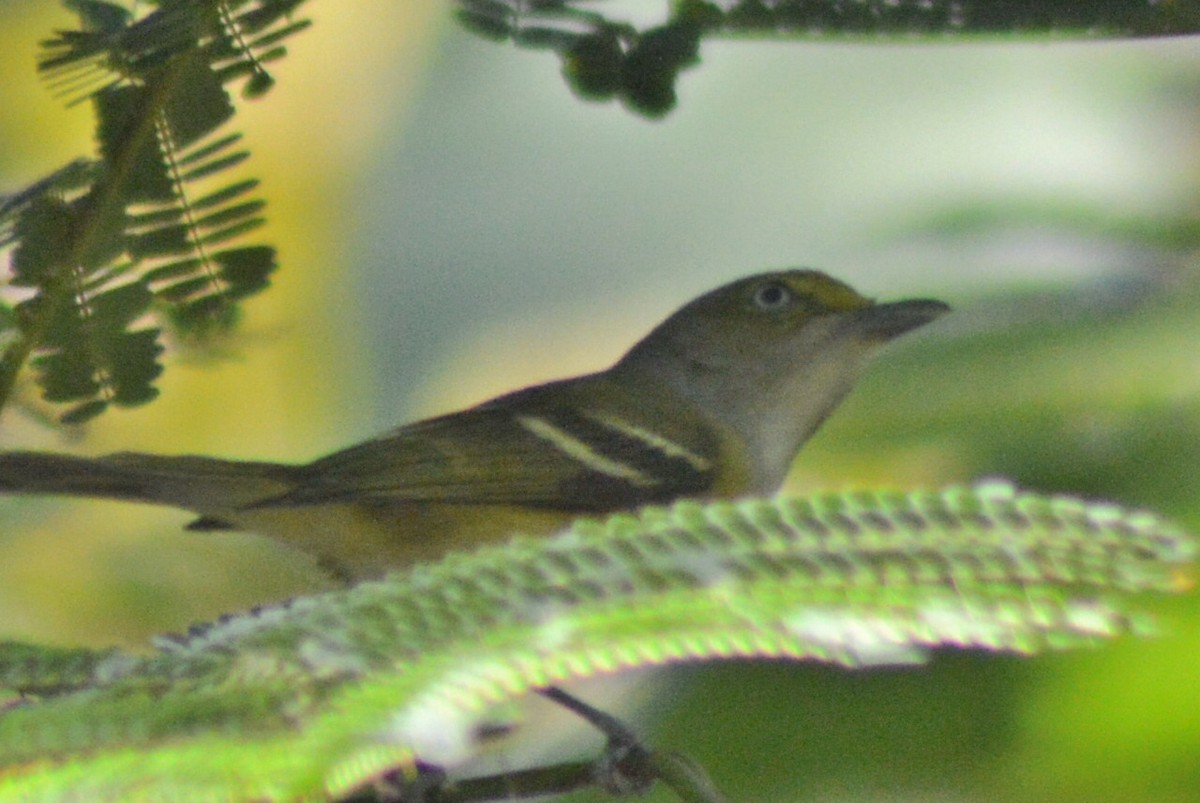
[(546, 457)]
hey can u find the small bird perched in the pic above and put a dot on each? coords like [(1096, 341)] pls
[(714, 403)]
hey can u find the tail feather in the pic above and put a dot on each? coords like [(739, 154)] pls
[(200, 484)]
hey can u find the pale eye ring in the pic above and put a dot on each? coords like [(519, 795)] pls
[(772, 297)]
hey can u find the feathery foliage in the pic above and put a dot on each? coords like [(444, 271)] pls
[(148, 230), (319, 695)]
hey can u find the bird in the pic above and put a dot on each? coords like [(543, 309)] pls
[(714, 403)]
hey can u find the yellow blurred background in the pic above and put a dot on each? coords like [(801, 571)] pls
[(288, 386)]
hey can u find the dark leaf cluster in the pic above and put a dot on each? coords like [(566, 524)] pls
[(106, 250), (605, 57)]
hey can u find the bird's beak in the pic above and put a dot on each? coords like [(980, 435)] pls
[(883, 322)]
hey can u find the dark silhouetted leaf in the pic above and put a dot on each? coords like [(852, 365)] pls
[(45, 230), (129, 145), (101, 17), (592, 65), (179, 292), (216, 166), (230, 232), (259, 84), (118, 307), (262, 43), (160, 217), (246, 269), (230, 214), (67, 376), (226, 194), (173, 270), (197, 104), (203, 152), (82, 413), (172, 239)]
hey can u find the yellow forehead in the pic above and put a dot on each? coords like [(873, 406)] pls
[(825, 290)]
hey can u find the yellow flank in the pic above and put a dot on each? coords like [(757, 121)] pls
[(356, 540)]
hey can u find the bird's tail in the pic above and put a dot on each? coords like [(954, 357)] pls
[(200, 484)]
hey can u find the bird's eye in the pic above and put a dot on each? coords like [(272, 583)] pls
[(772, 297)]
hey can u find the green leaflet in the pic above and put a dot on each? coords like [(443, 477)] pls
[(314, 697)]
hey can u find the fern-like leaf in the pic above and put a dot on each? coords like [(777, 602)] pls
[(148, 228), (318, 696)]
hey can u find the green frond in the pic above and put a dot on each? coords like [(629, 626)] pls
[(235, 37), (149, 228), (37, 669), (326, 691)]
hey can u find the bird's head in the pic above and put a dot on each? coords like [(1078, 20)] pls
[(771, 355)]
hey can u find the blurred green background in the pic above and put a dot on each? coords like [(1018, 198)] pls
[(453, 223)]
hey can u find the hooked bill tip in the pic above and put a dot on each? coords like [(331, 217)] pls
[(886, 321)]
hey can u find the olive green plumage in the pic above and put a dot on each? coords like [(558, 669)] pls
[(713, 403)]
